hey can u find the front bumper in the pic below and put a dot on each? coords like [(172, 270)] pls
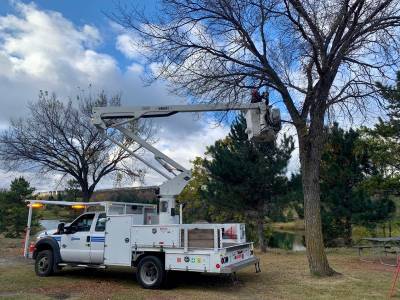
[(240, 265)]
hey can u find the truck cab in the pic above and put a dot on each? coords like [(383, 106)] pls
[(82, 241)]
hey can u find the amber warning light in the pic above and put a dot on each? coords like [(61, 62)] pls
[(78, 206), (36, 205)]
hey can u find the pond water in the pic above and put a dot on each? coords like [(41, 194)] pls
[(49, 224), (288, 240)]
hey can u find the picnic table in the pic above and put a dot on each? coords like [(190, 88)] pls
[(381, 247)]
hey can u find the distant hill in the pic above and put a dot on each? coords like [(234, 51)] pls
[(136, 194)]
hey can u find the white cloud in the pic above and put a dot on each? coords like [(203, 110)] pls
[(128, 43), (184, 148), (125, 43), (43, 50), (93, 35), (136, 68), (37, 42)]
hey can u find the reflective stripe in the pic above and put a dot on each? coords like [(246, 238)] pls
[(97, 239), (92, 238)]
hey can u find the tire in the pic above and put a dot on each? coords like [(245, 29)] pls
[(44, 263), (150, 272)]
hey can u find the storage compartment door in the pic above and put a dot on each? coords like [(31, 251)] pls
[(118, 249)]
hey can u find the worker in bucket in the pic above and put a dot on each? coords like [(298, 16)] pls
[(256, 97)]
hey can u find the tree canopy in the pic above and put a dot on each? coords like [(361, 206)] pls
[(59, 137)]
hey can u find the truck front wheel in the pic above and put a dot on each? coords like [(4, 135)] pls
[(44, 263), (150, 272)]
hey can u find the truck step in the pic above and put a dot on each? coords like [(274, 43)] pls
[(82, 265)]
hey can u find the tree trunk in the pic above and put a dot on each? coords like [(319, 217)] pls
[(86, 191), (310, 146), (85, 196), (260, 227), (347, 231)]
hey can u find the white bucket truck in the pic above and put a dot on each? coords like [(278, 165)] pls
[(150, 238)]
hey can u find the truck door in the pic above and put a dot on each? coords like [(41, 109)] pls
[(97, 240), (75, 247)]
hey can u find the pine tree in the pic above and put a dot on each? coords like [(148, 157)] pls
[(384, 139), (13, 211), (345, 201), (247, 177)]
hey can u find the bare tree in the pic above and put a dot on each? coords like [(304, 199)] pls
[(58, 137), (320, 58)]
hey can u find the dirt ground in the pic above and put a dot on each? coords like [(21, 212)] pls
[(284, 276)]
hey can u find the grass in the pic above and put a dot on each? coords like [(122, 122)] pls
[(284, 276)]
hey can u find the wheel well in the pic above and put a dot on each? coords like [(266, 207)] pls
[(47, 244), (160, 255), (41, 247)]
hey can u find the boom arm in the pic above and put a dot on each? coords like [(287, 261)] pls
[(104, 113), (263, 123)]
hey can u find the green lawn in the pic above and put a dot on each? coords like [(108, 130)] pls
[(284, 276)]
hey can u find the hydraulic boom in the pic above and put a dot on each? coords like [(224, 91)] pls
[(263, 123)]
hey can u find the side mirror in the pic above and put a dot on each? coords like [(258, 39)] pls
[(61, 228)]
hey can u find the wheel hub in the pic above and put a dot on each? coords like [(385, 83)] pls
[(149, 273), (43, 264)]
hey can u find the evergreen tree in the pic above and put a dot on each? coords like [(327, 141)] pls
[(198, 209), (247, 177), (383, 142), (13, 210), (21, 188), (345, 201)]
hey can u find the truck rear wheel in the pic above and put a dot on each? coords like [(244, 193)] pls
[(44, 263), (150, 272)]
